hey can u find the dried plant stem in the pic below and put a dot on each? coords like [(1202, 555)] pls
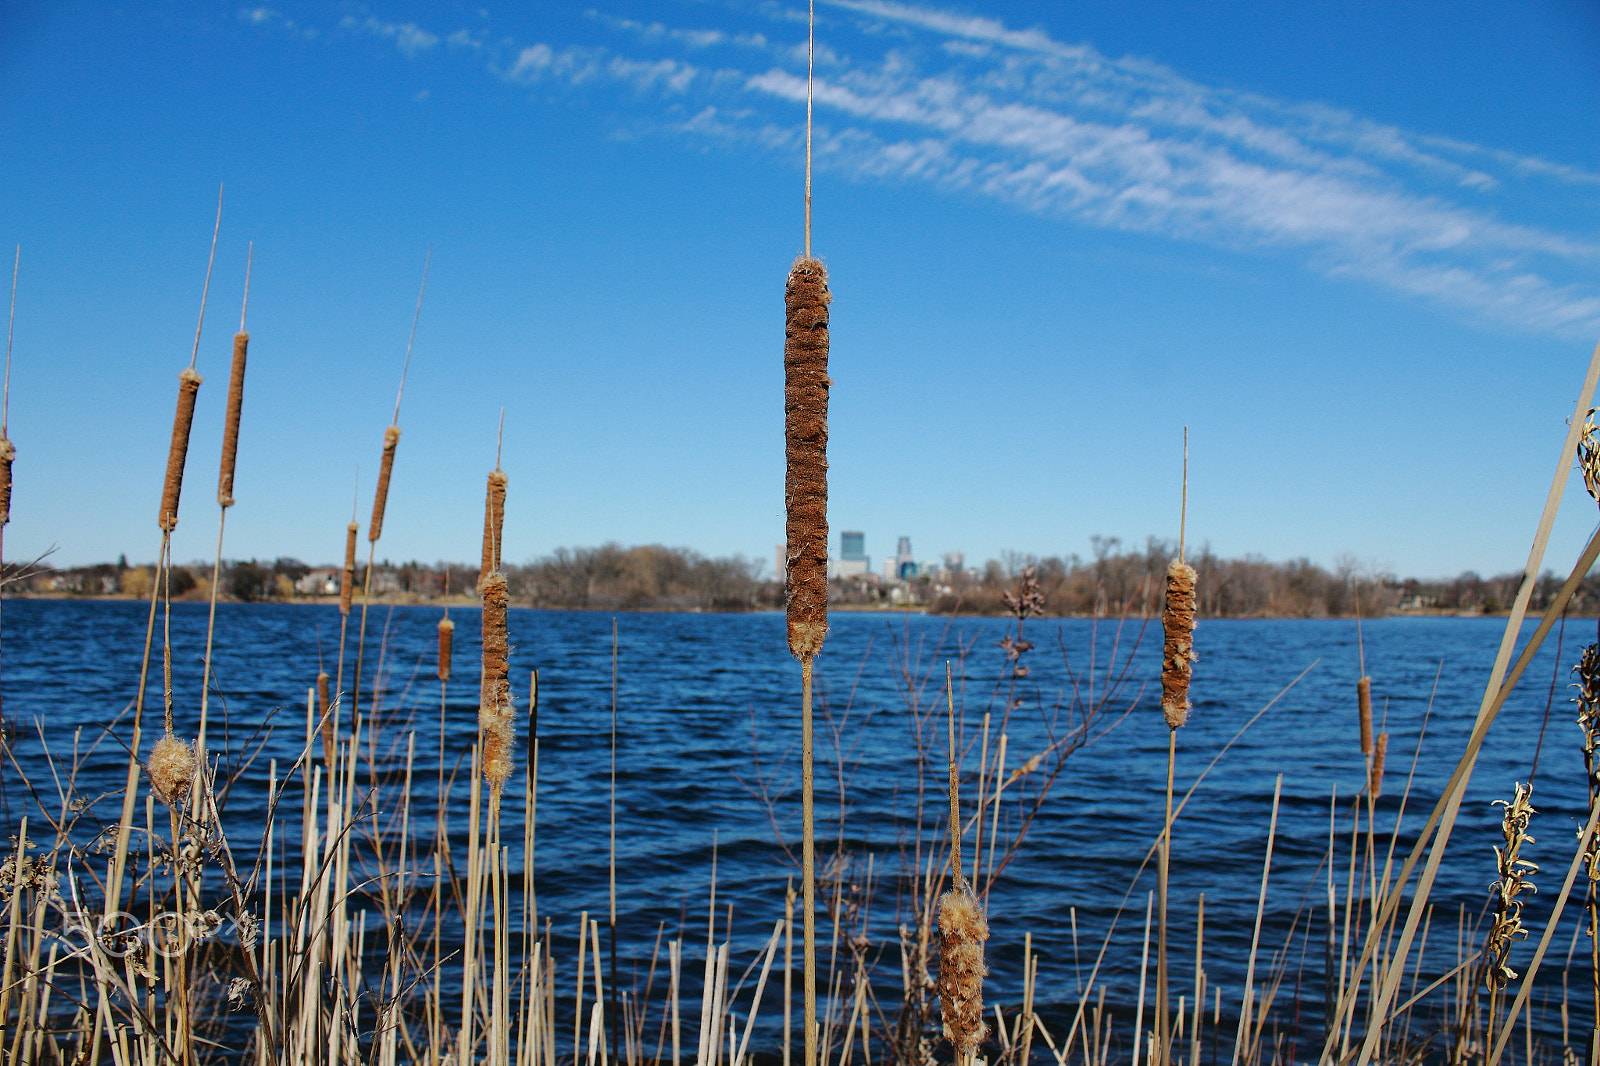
[(8, 451), (962, 930), (808, 863), (1241, 1042), (611, 864), (1163, 1047), (230, 458), (1445, 812), (347, 581)]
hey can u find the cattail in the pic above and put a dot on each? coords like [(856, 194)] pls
[(230, 432), (323, 716), (962, 931), (805, 406), (1178, 652), (1375, 774), (347, 583), (494, 523), (188, 388), (391, 437), (494, 697), (8, 452), (447, 634), (1364, 705), (171, 768)]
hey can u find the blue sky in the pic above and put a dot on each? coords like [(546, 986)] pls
[(1355, 247)]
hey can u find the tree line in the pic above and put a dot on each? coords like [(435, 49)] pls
[(1112, 581)]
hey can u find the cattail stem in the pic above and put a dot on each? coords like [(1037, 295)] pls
[(230, 432), (1164, 856), (962, 932), (447, 633), (347, 583), (380, 500), (494, 521), (1177, 623), (808, 862), (324, 718), (805, 364), (8, 454), (495, 708), (1380, 751), (182, 421), (1364, 711), (346, 594)]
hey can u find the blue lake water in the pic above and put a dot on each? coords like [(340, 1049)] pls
[(707, 712)]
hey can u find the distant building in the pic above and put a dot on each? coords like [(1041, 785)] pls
[(954, 562), (852, 561), (780, 562), (905, 562), (318, 583)]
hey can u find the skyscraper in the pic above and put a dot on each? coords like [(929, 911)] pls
[(905, 562)]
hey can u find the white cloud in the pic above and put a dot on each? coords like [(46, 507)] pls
[(408, 37), (967, 104)]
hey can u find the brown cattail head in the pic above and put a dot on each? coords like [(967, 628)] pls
[(962, 931), (805, 431), (447, 636), (347, 583), (230, 431), (171, 769), (323, 716), (1178, 652), (391, 438), (8, 453), (1375, 772), (172, 489), (1364, 709), (495, 710), (494, 523)]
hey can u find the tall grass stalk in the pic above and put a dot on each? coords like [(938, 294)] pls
[(8, 451), (380, 496), (230, 458)]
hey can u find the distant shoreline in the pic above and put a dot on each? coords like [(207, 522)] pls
[(886, 609)]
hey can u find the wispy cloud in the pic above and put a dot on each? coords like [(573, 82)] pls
[(970, 106)]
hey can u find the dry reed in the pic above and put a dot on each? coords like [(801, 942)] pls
[(182, 421), (805, 364), (495, 709), (380, 500), (494, 523), (347, 582), (1178, 654), (230, 433), (447, 633)]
